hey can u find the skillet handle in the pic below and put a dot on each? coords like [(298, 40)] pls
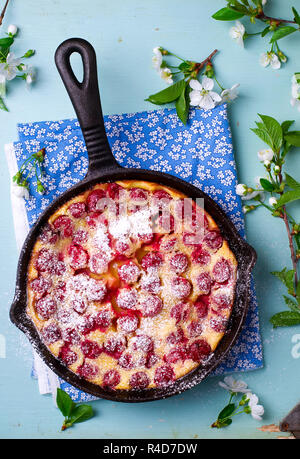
[(85, 98)]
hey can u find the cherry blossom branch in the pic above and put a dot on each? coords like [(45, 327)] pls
[(261, 16), (291, 245), (276, 27), (3, 12), (200, 65), (290, 236), (184, 88), (282, 189)]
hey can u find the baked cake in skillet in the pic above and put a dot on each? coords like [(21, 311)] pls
[(131, 285)]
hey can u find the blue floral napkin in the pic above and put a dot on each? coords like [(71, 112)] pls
[(200, 153)]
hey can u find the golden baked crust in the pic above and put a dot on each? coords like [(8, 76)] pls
[(120, 306)]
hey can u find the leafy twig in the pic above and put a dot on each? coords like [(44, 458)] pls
[(248, 403), (11, 66), (280, 140), (35, 162), (254, 9), (187, 90), (291, 245), (73, 412)]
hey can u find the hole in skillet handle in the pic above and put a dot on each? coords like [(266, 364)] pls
[(85, 98)]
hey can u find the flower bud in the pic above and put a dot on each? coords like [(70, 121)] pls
[(272, 201), (282, 56), (209, 70), (277, 170), (17, 177), (267, 164), (12, 29), (241, 189), (40, 188)]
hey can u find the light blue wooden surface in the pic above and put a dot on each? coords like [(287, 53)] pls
[(123, 34)]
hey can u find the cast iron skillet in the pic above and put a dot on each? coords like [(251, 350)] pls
[(104, 168)]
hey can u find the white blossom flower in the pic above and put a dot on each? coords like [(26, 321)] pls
[(257, 411), (296, 86), (20, 191), (202, 94), (270, 58), (295, 99), (233, 385), (166, 75), (157, 58), (237, 32), (295, 103), (272, 201), (241, 189), (9, 68), (265, 155), (230, 94)]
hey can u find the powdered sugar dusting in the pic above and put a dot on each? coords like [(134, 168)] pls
[(131, 225), (117, 305)]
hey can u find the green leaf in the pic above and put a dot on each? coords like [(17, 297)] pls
[(227, 14), (265, 31), (6, 42), (267, 186), (285, 319), (169, 94), (263, 135), (298, 293), (292, 304), (29, 53), (2, 105), (296, 15), (274, 131), (288, 196), (282, 32), (292, 183), (293, 138), (225, 423), (64, 402), (80, 414), (182, 105), (260, 125), (285, 126), (287, 278), (226, 412)]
